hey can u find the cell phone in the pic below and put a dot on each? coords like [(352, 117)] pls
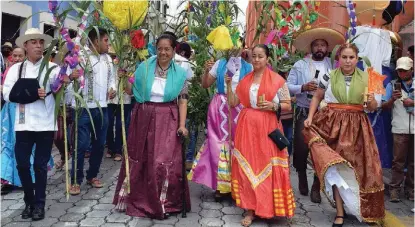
[(397, 87)]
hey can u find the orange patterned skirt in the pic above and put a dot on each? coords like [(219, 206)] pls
[(260, 171)]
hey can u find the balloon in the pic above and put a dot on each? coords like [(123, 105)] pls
[(118, 12)]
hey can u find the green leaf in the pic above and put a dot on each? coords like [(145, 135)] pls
[(366, 60), (58, 99), (333, 54), (47, 75), (45, 60)]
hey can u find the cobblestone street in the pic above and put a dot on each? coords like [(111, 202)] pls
[(93, 207)]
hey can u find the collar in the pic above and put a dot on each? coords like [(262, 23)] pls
[(35, 64)]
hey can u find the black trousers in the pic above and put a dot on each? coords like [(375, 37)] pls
[(300, 151), (34, 194)]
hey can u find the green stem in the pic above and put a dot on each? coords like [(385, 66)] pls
[(124, 137), (65, 140)]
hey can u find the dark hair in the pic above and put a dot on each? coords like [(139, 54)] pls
[(93, 35), (183, 46), (411, 49), (264, 47), (170, 33), (173, 41), (312, 43), (348, 45)]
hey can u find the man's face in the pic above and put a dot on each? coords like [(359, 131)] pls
[(405, 75), (102, 44), (34, 48), (319, 49)]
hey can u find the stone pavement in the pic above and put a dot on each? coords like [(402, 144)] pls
[(93, 207)]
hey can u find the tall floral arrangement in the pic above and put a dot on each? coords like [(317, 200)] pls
[(199, 19), (70, 60), (123, 19), (288, 18)]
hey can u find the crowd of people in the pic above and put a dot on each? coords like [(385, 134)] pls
[(256, 119)]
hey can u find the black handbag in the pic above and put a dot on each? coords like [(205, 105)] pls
[(277, 136), (25, 90)]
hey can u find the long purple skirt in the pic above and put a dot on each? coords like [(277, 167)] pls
[(212, 164), (154, 151)]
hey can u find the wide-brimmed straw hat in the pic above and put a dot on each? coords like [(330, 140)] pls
[(303, 41), (33, 33)]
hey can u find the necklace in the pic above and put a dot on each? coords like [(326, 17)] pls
[(162, 72)]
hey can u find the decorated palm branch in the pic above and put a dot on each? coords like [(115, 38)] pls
[(289, 18), (196, 22)]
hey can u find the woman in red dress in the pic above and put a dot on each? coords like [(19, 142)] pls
[(260, 171)]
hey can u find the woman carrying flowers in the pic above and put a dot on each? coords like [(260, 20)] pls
[(154, 145), (212, 164)]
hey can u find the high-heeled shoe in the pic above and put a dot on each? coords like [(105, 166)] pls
[(338, 225)]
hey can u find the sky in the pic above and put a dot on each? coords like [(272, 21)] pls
[(241, 3)]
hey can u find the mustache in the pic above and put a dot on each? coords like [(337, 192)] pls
[(320, 52)]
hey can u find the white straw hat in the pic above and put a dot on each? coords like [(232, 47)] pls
[(33, 33)]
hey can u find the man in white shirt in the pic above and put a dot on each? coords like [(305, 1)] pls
[(302, 83), (34, 122), (99, 88)]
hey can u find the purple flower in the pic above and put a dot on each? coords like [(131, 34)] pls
[(352, 14), (53, 5), (353, 24), (206, 4), (209, 20), (353, 31), (70, 45), (214, 4)]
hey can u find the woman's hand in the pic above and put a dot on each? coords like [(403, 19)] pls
[(266, 105), (228, 80), (182, 130), (208, 65), (308, 122)]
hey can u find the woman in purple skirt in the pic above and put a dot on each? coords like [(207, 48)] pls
[(154, 147), (212, 164)]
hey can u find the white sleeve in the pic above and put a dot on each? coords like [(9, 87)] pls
[(235, 82), (111, 82), (11, 78), (213, 71)]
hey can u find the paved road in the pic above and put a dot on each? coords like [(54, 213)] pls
[(93, 207)]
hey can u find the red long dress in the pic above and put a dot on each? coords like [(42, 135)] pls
[(260, 171)]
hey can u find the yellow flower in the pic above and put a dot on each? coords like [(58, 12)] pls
[(221, 7), (118, 12), (228, 20), (142, 54), (307, 27), (317, 3), (220, 38), (308, 22)]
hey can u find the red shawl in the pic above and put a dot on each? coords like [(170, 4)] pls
[(271, 82)]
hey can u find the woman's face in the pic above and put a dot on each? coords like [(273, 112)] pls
[(165, 51), (18, 55), (348, 60), (259, 58)]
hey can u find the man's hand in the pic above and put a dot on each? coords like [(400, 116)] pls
[(66, 79), (74, 75), (408, 102), (396, 95), (42, 93), (310, 86), (111, 94)]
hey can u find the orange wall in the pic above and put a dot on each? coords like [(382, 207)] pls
[(333, 17)]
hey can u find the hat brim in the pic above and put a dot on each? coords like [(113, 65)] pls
[(303, 41), (24, 38), (404, 67)]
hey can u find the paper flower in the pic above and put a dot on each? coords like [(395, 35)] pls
[(375, 82), (119, 12), (220, 38), (137, 39), (53, 5), (142, 54)]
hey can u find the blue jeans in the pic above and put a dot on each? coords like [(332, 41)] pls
[(84, 140), (34, 194), (114, 113), (288, 132), (190, 154)]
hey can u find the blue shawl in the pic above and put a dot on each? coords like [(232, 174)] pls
[(220, 77), (144, 79)]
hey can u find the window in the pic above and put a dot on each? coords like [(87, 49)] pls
[(10, 30), (165, 7), (49, 30)]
